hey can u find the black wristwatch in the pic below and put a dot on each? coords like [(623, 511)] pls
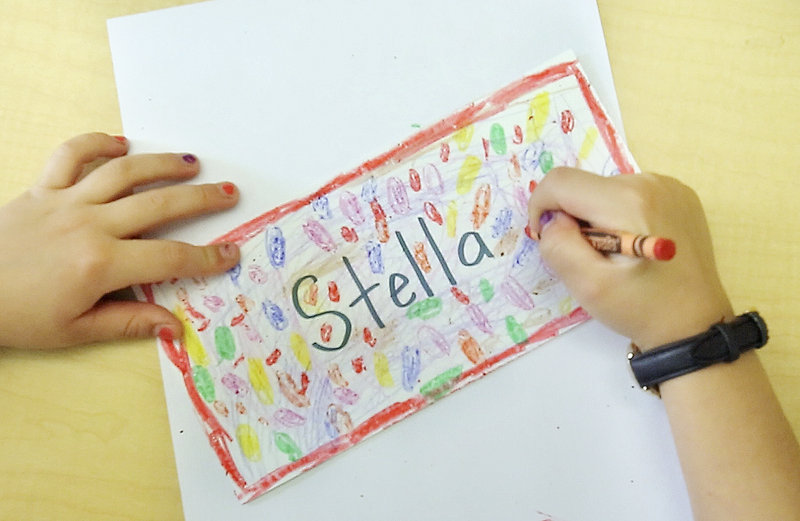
[(722, 342)]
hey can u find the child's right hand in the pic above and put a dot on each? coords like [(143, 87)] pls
[(72, 239), (651, 302)]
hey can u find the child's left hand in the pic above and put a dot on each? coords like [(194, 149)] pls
[(72, 239)]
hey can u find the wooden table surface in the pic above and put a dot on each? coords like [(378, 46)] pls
[(709, 94)]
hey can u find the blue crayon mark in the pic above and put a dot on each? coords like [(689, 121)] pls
[(523, 256), (502, 223), (375, 257), (369, 191), (275, 315), (322, 207), (276, 247), (411, 367), (234, 274)]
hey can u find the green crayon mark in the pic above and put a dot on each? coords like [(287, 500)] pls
[(546, 161), (497, 137), (416, 125), (425, 309), (515, 331), (286, 444), (203, 383), (438, 386), (223, 339), (487, 291)]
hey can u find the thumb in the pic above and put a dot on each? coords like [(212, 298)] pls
[(566, 252), (117, 320)]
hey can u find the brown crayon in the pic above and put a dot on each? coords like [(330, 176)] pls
[(631, 244)]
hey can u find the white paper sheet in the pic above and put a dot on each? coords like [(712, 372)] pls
[(280, 97)]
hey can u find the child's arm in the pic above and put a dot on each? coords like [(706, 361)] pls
[(738, 454), (72, 238)]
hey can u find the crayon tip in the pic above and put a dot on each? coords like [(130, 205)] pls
[(664, 249)]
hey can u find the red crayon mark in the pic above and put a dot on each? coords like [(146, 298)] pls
[(432, 213), (303, 383), (421, 257), (311, 294), (480, 211), (414, 180), (273, 357), (325, 332), (238, 361), (470, 347), (358, 364), (349, 234), (333, 291), (567, 121), (238, 319), (517, 139), (485, 148), (380, 221), (444, 152), (368, 338), (459, 295), (289, 389), (532, 186), (191, 311)]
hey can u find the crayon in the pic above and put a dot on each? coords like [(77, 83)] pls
[(631, 244)]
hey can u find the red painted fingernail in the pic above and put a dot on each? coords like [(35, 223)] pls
[(121, 139), (190, 158), (228, 188)]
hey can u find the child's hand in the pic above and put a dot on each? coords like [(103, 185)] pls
[(651, 302), (71, 239)]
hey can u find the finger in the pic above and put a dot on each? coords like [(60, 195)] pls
[(562, 247), (68, 161), (123, 320), (146, 261), (581, 194), (120, 176), (143, 211)]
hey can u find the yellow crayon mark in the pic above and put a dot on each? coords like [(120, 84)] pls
[(248, 441), (467, 174), (259, 381), (537, 116), (452, 215), (194, 346), (382, 370), (300, 350), (588, 143), (567, 305), (463, 137)]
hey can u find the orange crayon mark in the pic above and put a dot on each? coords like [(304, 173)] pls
[(240, 408), (515, 172), (483, 200), (311, 294), (335, 375), (459, 295), (517, 139), (444, 152), (421, 257), (485, 148), (290, 391), (470, 347), (380, 221), (220, 408), (273, 357)]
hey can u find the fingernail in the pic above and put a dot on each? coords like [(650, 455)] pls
[(228, 250), (228, 188), (545, 218), (190, 158), (121, 139)]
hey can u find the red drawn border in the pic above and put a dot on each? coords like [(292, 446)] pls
[(217, 435)]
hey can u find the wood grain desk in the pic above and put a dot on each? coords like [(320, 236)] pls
[(709, 94)]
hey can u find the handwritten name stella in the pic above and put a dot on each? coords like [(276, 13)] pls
[(397, 281)]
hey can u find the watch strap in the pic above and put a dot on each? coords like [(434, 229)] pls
[(722, 342)]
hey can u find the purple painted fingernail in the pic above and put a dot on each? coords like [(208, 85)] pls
[(545, 218), (190, 158)]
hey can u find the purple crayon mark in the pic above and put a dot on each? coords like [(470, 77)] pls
[(479, 318), (375, 257), (345, 395), (398, 197), (502, 223), (276, 247), (238, 386), (213, 302), (351, 208), (234, 273), (275, 315), (524, 255), (411, 367), (428, 336), (322, 207), (433, 179), (516, 294), (369, 191), (319, 235), (257, 274), (288, 418)]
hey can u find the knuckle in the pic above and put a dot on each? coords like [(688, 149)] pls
[(157, 201), (177, 256)]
